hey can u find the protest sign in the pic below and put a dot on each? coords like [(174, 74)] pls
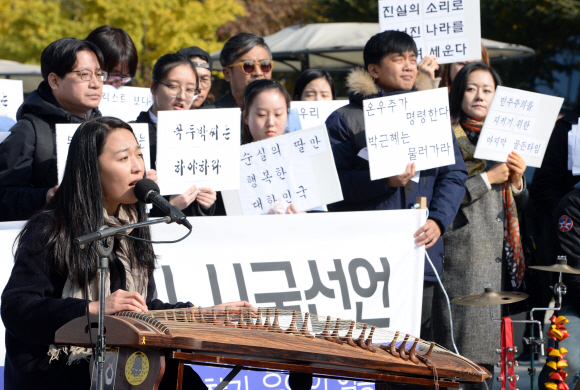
[(314, 113), (125, 103), (65, 132), (406, 128), (449, 30), (198, 147), (296, 168), (11, 97), (294, 262), (519, 121)]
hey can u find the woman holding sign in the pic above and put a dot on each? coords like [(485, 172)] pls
[(47, 287), (265, 112), (314, 85), (174, 87), (482, 245)]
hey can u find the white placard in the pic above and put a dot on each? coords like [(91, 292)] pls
[(4, 135), (11, 97), (519, 121), (65, 132), (296, 168), (314, 113), (574, 151), (198, 147), (125, 103), (411, 127), (373, 273), (449, 30)]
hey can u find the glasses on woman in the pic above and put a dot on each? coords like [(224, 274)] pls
[(87, 75), (250, 66), (176, 90), (115, 78)]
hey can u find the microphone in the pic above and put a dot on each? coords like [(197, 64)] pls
[(147, 191)]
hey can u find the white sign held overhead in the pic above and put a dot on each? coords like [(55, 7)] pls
[(125, 103), (449, 30), (11, 97), (314, 113), (408, 128), (65, 132), (296, 168), (198, 147), (519, 121)]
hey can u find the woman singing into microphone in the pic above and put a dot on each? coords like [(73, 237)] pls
[(47, 286)]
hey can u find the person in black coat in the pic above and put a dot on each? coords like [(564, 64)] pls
[(46, 289), (70, 93), (391, 69), (174, 87)]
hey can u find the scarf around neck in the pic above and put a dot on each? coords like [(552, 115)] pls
[(136, 279), (467, 144)]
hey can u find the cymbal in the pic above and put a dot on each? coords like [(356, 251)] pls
[(564, 268), (490, 298)]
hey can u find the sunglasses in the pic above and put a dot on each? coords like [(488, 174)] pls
[(250, 66)]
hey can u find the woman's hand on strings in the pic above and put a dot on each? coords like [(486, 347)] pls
[(120, 300)]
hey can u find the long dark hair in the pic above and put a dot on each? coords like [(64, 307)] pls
[(77, 208), (117, 48), (460, 84), (252, 90), (307, 76)]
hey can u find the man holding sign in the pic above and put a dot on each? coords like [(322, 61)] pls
[(70, 93), (391, 69)]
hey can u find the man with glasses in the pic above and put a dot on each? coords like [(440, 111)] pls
[(244, 58), (202, 62), (70, 93)]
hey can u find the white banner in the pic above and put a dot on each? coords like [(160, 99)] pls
[(362, 266), (314, 113), (198, 147), (11, 97), (125, 103), (519, 121), (65, 132), (296, 168), (411, 127), (449, 30)]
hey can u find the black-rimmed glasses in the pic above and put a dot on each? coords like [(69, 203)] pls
[(87, 75)]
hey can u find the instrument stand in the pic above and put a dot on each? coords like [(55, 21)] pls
[(104, 249), (226, 381)]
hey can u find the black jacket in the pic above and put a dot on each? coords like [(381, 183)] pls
[(226, 101), (33, 310), (194, 208), (24, 182)]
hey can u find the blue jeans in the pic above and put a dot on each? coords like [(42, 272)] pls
[(571, 344)]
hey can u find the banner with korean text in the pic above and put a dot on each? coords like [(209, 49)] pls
[(408, 128), (521, 121), (449, 30), (198, 147)]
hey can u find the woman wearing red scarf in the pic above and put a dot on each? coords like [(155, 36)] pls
[(482, 246)]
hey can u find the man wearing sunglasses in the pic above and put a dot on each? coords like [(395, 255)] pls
[(244, 58), (202, 62), (70, 93)]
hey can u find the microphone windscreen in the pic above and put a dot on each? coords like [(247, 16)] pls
[(143, 187)]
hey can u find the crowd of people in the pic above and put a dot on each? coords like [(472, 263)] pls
[(473, 234)]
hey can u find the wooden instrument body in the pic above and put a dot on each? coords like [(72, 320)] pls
[(269, 350)]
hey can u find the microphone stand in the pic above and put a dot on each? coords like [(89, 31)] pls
[(104, 238)]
